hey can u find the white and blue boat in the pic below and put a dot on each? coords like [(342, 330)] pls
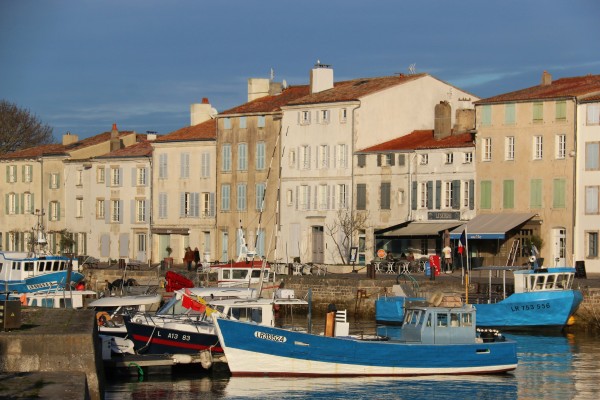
[(541, 299), (432, 341)]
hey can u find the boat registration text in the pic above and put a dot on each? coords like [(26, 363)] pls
[(531, 307), (269, 336)]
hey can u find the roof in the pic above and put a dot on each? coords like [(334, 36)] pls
[(270, 103), (206, 130), (491, 226), (140, 149), (421, 140), (355, 89), (60, 149), (560, 88)]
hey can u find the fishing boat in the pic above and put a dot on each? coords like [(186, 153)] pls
[(539, 299), (194, 332), (432, 340)]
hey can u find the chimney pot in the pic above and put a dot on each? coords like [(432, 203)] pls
[(205, 100), (546, 78)]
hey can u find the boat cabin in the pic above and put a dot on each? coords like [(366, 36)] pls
[(59, 299), (242, 273), (544, 279)]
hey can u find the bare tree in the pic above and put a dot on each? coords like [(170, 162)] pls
[(20, 129), (344, 228)]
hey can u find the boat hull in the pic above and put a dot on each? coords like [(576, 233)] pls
[(41, 283), (253, 350), (151, 339)]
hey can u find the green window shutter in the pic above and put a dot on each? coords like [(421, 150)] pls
[(429, 195), (22, 206), (7, 174), (486, 195), (361, 196), (535, 196), (413, 196), (23, 173), (58, 210), (471, 194), (559, 195), (538, 111), (561, 110), (508, 194), (438, 195), (32, 206), (509, 114), (456, 194), (486, 115), (6, 204)]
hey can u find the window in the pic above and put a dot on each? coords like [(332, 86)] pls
[(561, 110), (423, 194), (100, 175), (115, 211), (54, 209), (189, 205), (400, 195), (242, 157), (592, 156), (141, 176), (79, 207), (79, 178), (323, 156), (509, 153), (538, 147), (225, 197), (385, 194), (341, 156), (260, 192), (591, 244), (361, 160), (538, 112), (486, 153), (466, 197), (141, 242), (323, 197), (54, 180), (241, 196), (591, 199), (486, 115), (184, 165), (342, 196), (508, 194), (323, 116), (468, 157), (205, 165), (386, 160), (448, 194), (305, 157), (292, 159), (343, 115), (224, 246), (242, 121), (535, 197), (208, 205), (226, 123), (561, 146), (11, 173), (424, 159), (449, 158), (304, 117), (304, 197), (12, 203), (361, 196), (28, 203), (260, 155), (509, 114), (401, 160), (290, 197), (162, 205), (261, 121), (593, 114), (559, 193), (140, 210), (226, 158), (162, 166), (115, 176), (100, 209), (486, 195), (27, 173)]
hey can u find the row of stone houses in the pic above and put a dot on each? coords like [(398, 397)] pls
[(398, 163)]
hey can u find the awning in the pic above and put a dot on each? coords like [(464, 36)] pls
[(170, 231), (491, 226), (421, 229)]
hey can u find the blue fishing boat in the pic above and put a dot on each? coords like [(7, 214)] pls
[(540, 298), (432, 340)]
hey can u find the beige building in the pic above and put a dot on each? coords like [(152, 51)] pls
[(526, 152), (183, 188), (248, 159)]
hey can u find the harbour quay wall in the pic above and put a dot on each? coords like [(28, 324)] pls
[(52, 343)]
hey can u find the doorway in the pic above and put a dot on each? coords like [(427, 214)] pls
[(318, 245)]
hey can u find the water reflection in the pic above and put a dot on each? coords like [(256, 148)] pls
[(550, 367)]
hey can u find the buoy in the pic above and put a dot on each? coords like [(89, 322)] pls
[(571, 320), (206, 359), (436, 298)]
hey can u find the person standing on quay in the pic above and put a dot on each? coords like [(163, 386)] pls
[(188, 258), (196, 257)]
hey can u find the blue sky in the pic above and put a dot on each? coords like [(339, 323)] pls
[(80, 65)]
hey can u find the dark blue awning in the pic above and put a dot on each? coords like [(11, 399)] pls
[(491, 226)]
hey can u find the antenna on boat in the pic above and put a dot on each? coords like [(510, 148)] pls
[(38, 240)]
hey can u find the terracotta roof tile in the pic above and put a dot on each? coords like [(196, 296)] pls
[(206, 130), (564, 87), (355, 89), (271, 103), (421, 140), (140, 149)]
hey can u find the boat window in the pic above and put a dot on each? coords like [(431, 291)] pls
[(47, 303), (48, 265), (226, 274), (55, 267), (467, 319), (422, 319), (239, 274), (442, 320), (540, 282), (0, 267), (454, 319), (40, 265), (414, 317), (266, 274), (256, 274), (246, 314), (28, 266), (407, 316), (550, 281), (16, 266), (429, 320)]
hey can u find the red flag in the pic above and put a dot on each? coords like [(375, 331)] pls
[(188, 302), (462, 242)]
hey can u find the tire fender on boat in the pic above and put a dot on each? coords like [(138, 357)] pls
[(102, 318), (436, 298)]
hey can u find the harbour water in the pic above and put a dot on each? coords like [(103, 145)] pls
[(550, 367)]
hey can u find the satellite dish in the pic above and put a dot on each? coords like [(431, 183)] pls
[(213, 112), (532, 259)]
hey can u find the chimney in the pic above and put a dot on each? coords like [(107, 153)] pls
[(465, 121), (258, 87), (321, 78), (115, 142), (202, 112), (68, 139), (546, 79), (442, 122)]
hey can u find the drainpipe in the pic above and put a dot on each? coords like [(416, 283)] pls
[(352, 170), (575, 197), (409, 216), (150, 244)]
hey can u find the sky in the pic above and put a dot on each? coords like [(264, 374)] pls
[(82, 65)]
